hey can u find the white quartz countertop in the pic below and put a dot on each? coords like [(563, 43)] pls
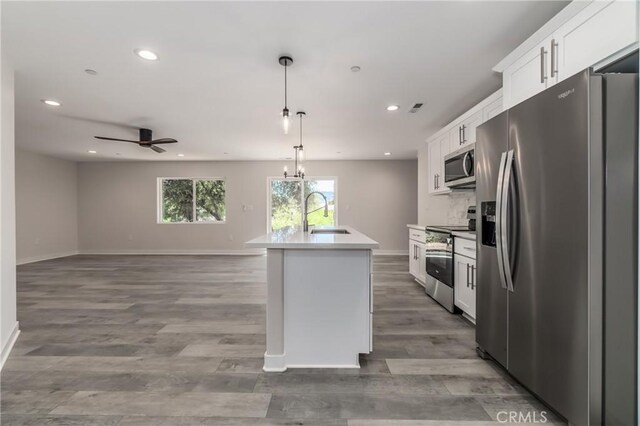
[(288, 239), (469, 235), (414, 226)]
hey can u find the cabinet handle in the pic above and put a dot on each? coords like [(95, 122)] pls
[(434, 182), (473, 274), (464, 136), (554, 59), (437, 181), (459, 135), (467, 275), (543, 71)]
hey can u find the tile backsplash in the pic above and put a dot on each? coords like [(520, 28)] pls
[(459, 202)]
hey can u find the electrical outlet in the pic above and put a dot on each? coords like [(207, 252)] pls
[(230, 237), (37, 241), (130, 237)]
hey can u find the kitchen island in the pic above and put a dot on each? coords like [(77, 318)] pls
[(319, 298)]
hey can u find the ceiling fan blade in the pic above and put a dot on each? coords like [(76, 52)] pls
[(164, 140), (157, 149), (114, 139)]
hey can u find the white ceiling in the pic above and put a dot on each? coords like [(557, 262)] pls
[(218, 87)]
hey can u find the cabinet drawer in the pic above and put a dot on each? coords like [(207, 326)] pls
[(464, 247), (417, 235)]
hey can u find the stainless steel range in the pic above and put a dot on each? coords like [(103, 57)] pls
[(439, 264)]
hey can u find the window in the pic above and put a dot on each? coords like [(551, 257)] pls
[(286, 201), (191, 200)]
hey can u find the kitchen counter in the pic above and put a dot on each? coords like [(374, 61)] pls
[(288, 239), (468, 235), (413, 226), (319, 298)]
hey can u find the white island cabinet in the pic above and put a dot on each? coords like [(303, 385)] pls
[(319, 298)]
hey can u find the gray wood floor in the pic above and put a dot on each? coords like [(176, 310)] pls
[(178, 340)]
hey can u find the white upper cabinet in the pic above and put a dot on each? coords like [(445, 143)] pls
[(589, 33), (459, 133), (491, 110), (464, 132), (595, 33), (438, 148), (528, 75)]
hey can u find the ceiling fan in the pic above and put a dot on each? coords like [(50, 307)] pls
[(146, 140)]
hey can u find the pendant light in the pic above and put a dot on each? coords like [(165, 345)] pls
[(285, 61), (299, 153)]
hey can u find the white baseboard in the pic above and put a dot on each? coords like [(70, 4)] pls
[(6, 350), (391, 252), (40, 258), (241, 252), (274, 363)]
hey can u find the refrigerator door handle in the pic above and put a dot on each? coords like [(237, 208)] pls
[(503, 213), (503, 280)]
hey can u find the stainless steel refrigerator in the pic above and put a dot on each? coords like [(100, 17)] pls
[(556, 187)]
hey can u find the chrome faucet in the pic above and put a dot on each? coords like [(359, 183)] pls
[(305, 224)]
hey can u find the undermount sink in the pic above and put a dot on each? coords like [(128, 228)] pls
[(330, 231)]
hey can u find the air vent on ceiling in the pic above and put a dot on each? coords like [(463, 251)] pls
[(415, 108)]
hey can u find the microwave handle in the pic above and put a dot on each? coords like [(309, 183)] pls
[(467, 155)]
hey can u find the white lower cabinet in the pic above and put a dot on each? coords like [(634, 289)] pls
[(417, 265), (464, 291)]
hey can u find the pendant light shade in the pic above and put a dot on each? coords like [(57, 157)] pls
[(285, 61), (298, 155)]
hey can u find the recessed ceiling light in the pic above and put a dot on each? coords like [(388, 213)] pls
[(146, 54), (51, 102), (355, 68), (91, 72), (180, 155), (392, 108), (92, 151), (387, 154)]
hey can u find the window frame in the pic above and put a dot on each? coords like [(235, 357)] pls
[(335, 195), (160, 204)]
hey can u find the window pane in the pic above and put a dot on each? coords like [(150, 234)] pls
[(210, 201), (177, 200), (315, 213), (286, 210)]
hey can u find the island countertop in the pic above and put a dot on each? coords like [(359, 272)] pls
[(288, 239)]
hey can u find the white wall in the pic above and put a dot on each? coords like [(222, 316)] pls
[(442, 209), (46, 207), (117, 203), (8, 319)]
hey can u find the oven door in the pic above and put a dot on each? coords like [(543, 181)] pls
[(459, 168), (439, 256)]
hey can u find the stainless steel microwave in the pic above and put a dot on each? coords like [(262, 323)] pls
[(459, 168)]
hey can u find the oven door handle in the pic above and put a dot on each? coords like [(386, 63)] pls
[(499, 192)]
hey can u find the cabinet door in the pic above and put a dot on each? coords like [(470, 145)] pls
[(422, 265), (462, 283), (455, 137), (434, 165), (412, 257), (471, 301), (527, 76), (598, 31), (491, 110), (444, 150), (469, 128)]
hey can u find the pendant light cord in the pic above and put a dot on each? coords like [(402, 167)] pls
[(285, 84)]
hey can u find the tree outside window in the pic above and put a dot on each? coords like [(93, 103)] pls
[(192, 200), (287, 198)]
